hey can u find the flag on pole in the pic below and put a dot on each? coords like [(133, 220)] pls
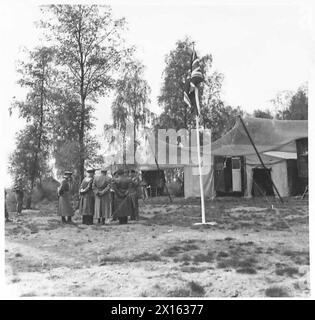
[(195, 77)]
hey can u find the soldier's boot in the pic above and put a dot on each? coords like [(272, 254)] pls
[(69, 220), (103, 220), (63, 219)]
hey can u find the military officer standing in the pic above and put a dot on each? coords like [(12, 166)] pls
[(19, 194), (134, 194), (87, 198), (65, 209), (6, 212), (101, 187), (122, 200)]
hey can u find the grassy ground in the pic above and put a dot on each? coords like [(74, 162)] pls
[(253, 251)]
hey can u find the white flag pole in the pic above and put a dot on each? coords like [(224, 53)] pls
[(202, 198)]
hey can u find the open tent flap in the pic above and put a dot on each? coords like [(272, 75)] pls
[(278, 171)]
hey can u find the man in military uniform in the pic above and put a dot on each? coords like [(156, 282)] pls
[(69, 175), (87, 198), (6, 212), (19, 194), (65, 209), (144, 188), (134, 194), (101, 187), (122, 200)]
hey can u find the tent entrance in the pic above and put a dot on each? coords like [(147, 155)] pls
[(262, 185), (155, 181), (229, 176)]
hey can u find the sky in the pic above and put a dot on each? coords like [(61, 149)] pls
[(261, 47)]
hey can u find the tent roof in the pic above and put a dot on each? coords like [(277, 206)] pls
[(268, 135)]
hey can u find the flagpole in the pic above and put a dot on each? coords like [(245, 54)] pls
[(195, 78), (202, 199)]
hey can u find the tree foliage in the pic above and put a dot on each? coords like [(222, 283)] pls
[(25, 158), (89, 49), (220, 118), (265, 114), (131, 97), (176, 114), (66, 131), (36, 77), (297, 108)]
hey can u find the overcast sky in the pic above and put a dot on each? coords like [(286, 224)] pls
[(261, 49)]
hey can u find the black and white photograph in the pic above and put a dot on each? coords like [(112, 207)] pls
[(156, 149)]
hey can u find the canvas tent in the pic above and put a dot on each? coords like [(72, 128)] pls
[(276, 143), (275, 140)]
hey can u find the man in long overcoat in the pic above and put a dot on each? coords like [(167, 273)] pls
[(122, 200), (19, 194), (134, 190), (6, 212), (65, 209), (87, 198), (101, 187)]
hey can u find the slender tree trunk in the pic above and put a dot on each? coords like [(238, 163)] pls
[(83, 97), (81, 141), (134, 142)]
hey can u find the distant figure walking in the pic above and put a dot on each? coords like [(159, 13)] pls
[(101, 187), (87, 198), (65, 209), (19, 194)]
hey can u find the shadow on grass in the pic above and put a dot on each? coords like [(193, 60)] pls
[(277, 291)]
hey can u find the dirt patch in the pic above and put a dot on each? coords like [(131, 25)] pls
[(162, 255)]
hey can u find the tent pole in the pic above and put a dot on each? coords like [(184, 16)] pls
[(259, 157)]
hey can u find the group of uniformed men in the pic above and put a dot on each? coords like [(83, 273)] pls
[(102, 198)]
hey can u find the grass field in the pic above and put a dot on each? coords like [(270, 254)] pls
[(253, 251)]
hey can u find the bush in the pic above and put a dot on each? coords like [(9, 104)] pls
[(197, 289), (46, 190)]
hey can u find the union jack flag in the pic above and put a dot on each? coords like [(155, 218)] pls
[(195, 77)]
